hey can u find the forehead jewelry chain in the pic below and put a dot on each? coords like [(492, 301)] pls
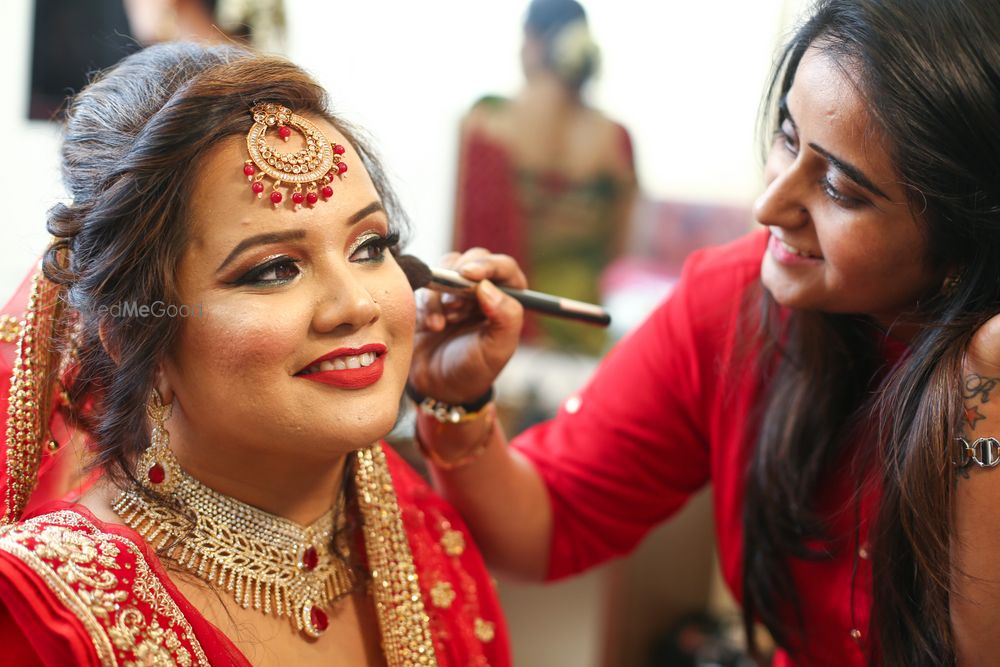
[(308, 172)]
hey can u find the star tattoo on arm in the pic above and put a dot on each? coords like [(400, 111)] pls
[(973, 415), (976, 391)]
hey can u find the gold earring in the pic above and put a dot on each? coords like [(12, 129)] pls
[(157, 468)]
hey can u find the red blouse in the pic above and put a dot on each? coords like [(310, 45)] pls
[(670, 410), (78, 591)]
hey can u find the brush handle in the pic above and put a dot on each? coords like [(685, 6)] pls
[(569, 309), (539, 302)]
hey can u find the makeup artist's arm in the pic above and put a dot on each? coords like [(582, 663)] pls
[(975, 597), (461, 347)]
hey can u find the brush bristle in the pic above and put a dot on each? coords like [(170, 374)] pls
[(418, 273)]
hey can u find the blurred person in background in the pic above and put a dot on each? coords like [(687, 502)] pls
[(73, 39), (547, 179), (833, 376), (260, 23)]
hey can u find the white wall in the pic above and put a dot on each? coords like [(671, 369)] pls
[(684, 77), (30, 172)]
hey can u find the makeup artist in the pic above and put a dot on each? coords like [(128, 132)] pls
[(834, 376)]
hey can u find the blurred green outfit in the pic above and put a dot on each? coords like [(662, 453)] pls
[(563, 233)]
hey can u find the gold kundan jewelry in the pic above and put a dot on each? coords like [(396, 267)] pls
[(313, 167), (158, 469), (266, 561), (271, 563)]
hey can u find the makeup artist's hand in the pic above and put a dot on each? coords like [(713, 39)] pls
[(463, 342)]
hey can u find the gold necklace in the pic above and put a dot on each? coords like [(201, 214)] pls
[(266, 561)]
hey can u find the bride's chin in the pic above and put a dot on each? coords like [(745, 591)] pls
[(336, 444)]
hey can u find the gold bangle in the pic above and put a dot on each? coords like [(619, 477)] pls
[(468, 457)]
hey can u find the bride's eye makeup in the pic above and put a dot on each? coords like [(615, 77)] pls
[(274, 271), (371, 247)]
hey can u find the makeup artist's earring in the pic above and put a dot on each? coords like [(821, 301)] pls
[(951, 283), (157, 468)]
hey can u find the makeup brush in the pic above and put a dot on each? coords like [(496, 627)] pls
[(446, 280)]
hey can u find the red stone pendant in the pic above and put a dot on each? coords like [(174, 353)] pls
[(310, 559), (156, 474), (319, 619), (314, 620)]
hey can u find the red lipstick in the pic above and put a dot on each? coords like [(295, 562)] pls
[(348, 378)]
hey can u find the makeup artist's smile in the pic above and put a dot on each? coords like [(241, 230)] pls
[(348, 368), (786, 253)]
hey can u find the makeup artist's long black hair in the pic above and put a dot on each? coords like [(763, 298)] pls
[(930, 72)]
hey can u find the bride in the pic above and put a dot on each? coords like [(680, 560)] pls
[(219, 317)]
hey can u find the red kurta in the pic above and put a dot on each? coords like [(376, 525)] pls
[(669, 411), (78, 591)]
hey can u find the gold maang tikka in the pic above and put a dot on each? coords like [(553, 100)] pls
[(308, 172)]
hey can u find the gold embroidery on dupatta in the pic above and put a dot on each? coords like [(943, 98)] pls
[(403, 620), (10, 329), (30, 395), (80, 567)]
